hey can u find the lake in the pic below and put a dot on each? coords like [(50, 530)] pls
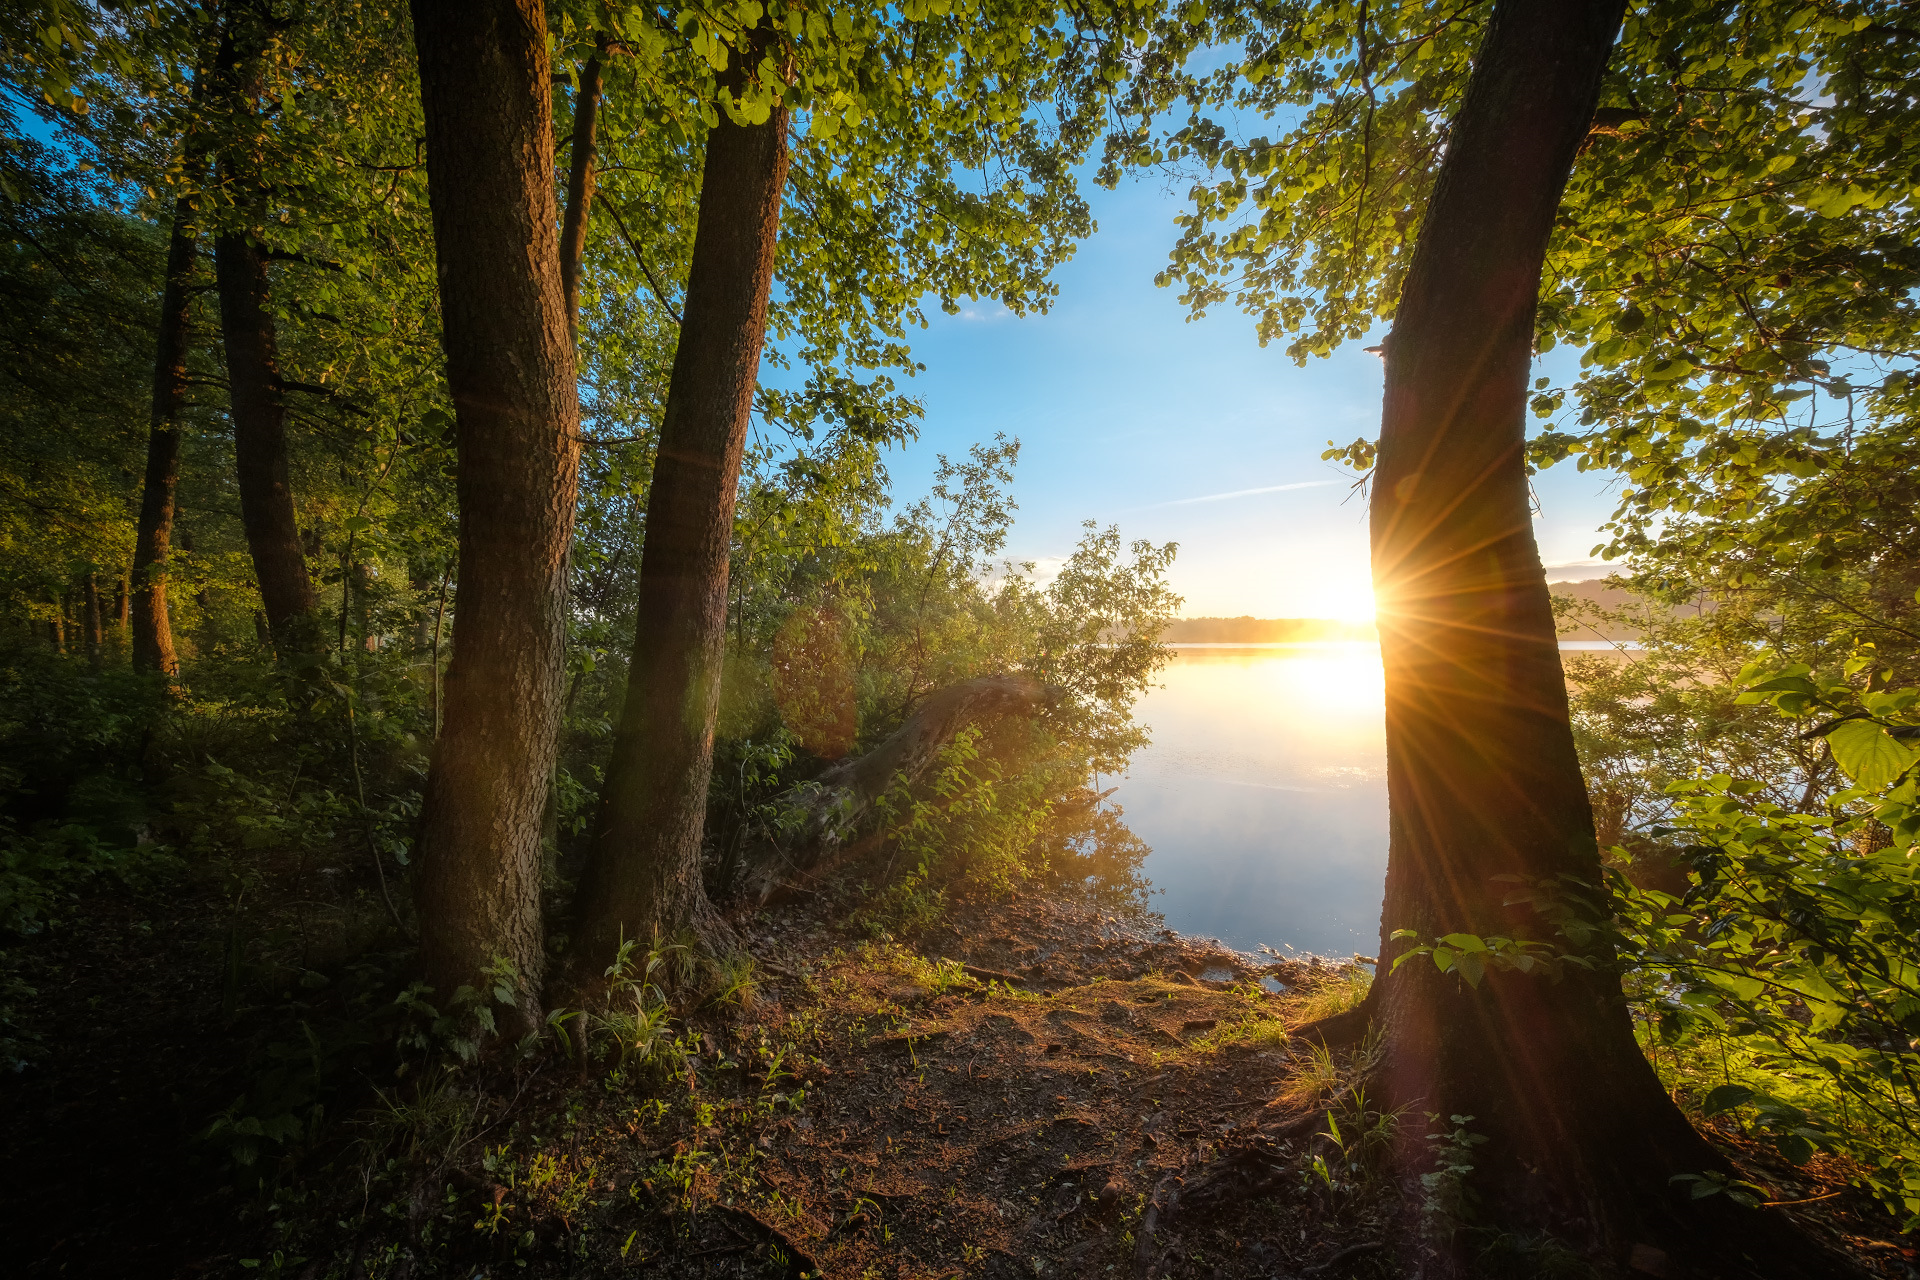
[(1264, 794)]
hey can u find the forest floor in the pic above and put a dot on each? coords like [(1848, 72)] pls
[(1004, 1097)]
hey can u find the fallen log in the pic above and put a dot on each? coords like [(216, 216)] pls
[(832, 806)]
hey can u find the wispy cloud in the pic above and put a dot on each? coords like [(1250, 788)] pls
[(1239, 493)]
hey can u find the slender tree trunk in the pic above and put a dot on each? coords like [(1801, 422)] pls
[(96, 629), (573, 229), (644, 869), (1483, 782), (120, 603), (57, 629), (260, 436), (152, 630), (484, 80), (253, 364)]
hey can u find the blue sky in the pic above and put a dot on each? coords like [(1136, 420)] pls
[(1129, 414)]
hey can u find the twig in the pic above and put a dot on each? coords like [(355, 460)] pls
[(652, 284), (366, 827), (1347, 1254)]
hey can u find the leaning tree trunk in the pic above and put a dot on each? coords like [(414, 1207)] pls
[(152, 630), (580, 174), (253, 365), (644, 869), (834, 805), (1484, 786), (484, 81)]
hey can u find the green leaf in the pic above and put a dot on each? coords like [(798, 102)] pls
[(1866, 754), (1464, 942), (1785, 684), (1725, 1098), (1473, 966)]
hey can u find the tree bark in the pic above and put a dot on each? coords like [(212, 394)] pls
[(484, 80), (580, 175), (644, 869), (152, 629), (1482, 776), (253, 364), (95, 622), (260, 437), (838, 800)]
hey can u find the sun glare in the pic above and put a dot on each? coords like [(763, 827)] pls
[(1346, 602)]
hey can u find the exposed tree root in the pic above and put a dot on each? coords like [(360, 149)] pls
[(800, 1264), (1661, 1233), (1347, 1254)]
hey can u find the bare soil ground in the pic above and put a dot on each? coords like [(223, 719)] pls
[(1004, 1097)]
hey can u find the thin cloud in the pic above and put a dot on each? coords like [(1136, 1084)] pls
[(1239, 493)]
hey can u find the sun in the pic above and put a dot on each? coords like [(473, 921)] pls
[(1345, 602)]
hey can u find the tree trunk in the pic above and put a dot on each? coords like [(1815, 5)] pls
[(57, 629), (484, 81), (152, 630), (644, 869), (260, 437), (838, 800), (1483, 781), (96, 629), (573, 230), (253, 365)]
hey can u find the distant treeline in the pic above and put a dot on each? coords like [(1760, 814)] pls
[(1245, 630)]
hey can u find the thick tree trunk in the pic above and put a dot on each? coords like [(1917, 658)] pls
[(836, 802), (573, 228), (484, 80), (644, 869), (1483, 781), (253, 364), (152, 638)]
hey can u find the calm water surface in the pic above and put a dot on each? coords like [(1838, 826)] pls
[(1264, 794)]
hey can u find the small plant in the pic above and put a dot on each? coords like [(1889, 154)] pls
[(638, 1022), (1448, 1202), (1316, 1077), (736, 982)]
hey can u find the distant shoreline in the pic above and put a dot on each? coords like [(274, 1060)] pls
[(1578, 625), (1250, 630)]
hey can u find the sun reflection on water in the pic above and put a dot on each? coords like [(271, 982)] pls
[(1264, 795)]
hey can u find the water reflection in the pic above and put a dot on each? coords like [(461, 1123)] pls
[(1264, 795)]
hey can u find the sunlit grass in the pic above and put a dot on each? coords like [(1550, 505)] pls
[(1336, 992)]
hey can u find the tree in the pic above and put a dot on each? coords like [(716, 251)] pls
[(876, 216), (484, 81), (152, 639), (645, 873), (1499, 1000), (247, 325), (1491, 830), (580, 170)]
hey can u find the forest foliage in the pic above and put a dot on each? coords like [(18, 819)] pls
[(1735, 263)]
